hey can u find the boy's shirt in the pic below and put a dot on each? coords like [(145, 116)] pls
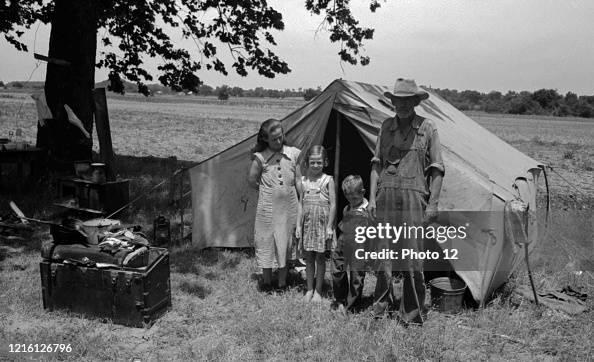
[(361, 207), (351, 219), (348, 245)]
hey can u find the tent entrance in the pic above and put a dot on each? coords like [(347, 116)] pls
[(354, 157)]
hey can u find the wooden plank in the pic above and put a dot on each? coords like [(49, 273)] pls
[(51, 60), (75, 208), (181, 207), (104, 133)]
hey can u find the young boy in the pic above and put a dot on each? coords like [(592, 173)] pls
[(348, 294)]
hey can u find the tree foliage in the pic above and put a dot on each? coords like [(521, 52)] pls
[(236, 92), (131, 30), (311, 93), (344, 27), (223, 92), (205, 90), (542, 101), (547, 98)]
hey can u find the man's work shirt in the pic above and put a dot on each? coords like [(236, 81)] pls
[(406, 155)]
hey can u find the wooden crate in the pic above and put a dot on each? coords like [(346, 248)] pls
[(104, 197)]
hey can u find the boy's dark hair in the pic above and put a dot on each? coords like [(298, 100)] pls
[(352, 183)]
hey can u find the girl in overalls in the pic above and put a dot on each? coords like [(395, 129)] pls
[(315, 220), (275, 173)]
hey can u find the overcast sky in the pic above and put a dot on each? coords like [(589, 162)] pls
[(460, 44)]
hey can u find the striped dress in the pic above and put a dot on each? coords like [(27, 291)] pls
[(276, 213)]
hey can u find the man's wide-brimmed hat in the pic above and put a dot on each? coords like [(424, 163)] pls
[(404, 88)]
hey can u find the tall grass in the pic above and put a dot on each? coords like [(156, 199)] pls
[(218, 314)]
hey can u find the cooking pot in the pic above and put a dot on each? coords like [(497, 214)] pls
[(95, 226)]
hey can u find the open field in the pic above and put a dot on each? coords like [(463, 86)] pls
[(194, 128), (218, 313), (565, 144), (163, 127)]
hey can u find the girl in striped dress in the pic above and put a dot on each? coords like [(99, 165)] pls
[(315, 220)]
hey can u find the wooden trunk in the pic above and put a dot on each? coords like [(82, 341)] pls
[(130, 296)]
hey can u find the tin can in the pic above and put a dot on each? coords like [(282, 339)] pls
[(82, 168), (98, 173)]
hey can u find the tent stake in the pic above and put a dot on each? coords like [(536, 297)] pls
[(526, 257), (530, 274)]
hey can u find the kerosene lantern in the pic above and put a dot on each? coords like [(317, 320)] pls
[(161, 231)]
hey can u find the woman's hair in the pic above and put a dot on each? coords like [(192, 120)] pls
[(316, 150), (267, 126)]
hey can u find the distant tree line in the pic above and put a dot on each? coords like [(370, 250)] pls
[(224, 92), (541, 102), (221, 92), (21, 85)]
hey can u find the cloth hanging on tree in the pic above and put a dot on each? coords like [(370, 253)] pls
[(43, 111)]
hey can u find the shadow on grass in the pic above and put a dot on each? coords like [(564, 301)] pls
[(190, 259), (231, 262), (295, 279), (195, 289)]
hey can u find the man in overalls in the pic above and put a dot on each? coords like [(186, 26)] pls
[(406, 177)]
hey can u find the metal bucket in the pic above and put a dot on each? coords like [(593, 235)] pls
[(447, 294), (93, 227)]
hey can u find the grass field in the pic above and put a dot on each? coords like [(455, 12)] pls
[(217, 312)]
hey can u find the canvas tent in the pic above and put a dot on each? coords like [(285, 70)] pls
[(483, 174)]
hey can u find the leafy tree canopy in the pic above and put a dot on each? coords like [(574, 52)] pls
[(130, 30)]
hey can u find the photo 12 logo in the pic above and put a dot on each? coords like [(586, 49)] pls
[(386, 231)]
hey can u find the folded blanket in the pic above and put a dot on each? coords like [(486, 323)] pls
[(557, 300)]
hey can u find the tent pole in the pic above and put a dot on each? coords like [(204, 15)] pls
[(181, 207), (337, 157)]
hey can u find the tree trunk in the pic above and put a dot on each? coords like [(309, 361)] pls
[(73, 38)]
